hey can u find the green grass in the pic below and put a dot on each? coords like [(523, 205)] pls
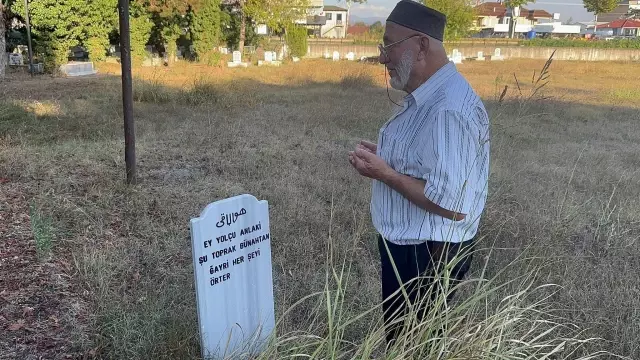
[(43, 232)]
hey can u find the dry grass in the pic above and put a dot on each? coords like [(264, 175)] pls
[(563, 193)]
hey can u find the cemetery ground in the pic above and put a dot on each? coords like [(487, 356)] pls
[(94, 268)]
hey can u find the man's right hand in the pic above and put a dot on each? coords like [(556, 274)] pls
[(373, 148)]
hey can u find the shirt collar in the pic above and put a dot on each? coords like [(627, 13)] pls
[(425, 91)]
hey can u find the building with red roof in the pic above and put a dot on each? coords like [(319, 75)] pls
[(492, 16), (621, 27)]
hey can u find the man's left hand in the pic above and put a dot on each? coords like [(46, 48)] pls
[(369, 164)]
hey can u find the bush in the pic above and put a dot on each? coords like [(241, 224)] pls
[(211, 58), (140, 33), (296, 40), (97, 48)]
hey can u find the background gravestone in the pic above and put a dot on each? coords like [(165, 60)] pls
[(234, 285), (237, 57)]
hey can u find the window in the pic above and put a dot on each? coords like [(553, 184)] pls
[(339, 17), (329, 16)]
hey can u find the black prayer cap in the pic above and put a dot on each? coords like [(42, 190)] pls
[(414, 15)]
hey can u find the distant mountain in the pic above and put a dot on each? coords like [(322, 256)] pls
[(367, 20)]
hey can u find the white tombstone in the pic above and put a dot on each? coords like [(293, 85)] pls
[(480, 56), (350, 56), (497, 55), (237, 57), (237, 60), (269, 59), (295, 59), (231, 243), (78, 69), (16, 59), (456, 57), (336, 56)]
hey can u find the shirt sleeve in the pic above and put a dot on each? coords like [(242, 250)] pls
[(448, 156)]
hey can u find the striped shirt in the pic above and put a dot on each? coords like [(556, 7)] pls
[(441, 135)]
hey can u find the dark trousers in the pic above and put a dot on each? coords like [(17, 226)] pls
[(427, 261)]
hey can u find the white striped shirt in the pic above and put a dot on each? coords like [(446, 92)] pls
[(441, 135)]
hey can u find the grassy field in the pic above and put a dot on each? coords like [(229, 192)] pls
[(562, 208)]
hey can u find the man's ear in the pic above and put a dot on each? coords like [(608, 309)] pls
[(424, 47)]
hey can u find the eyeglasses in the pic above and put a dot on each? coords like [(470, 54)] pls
[(383, 49)]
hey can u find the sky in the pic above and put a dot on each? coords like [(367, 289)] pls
[(380, 9)]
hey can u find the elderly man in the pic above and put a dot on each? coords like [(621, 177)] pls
[(430, 166)]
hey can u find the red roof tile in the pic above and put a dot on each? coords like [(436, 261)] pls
[(622, 23), (491, 9), (539, 14)]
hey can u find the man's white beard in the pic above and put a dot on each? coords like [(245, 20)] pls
[(403, 71)]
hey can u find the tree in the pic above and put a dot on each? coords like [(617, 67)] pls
[(598, 7), (513, 5), (101, 18), (59, 25), (460, 16), (140, 25), (205, 27), (3, 43), (377, 30), (296, 39), (276, 14), (169, 18)]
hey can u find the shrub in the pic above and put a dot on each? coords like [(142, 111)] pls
[(296, 39), (211, 58)]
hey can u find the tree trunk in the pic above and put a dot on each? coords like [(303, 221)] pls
[(346, 28), (595, 27), (3, 45), (243, 27)]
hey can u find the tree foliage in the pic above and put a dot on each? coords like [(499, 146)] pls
[(205, 29), (600, 6), (101, 18), (276, 14), (60, 25), (170, 20), (460, 16), (516, 3), (296, 39)]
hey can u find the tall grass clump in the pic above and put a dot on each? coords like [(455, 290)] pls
[(201, 93), (152, 91), (492, 319), (42, 229)]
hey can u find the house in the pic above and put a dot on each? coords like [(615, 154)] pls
[(493, 17), (620, 27), (620, 11), (327, 21), (336, 25)]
